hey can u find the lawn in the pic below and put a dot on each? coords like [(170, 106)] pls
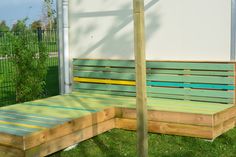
[(121, 143)]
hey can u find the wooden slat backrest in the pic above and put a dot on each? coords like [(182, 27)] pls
[(114, 77), (197, 81)]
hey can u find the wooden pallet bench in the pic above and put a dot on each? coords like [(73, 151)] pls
[(184, 98)]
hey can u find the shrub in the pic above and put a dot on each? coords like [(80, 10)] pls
[(29, 64)]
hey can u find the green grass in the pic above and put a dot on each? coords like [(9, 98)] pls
[(121, 143)]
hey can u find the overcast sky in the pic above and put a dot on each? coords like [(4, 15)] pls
[(12, 10)]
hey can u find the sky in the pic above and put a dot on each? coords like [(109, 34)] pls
[(12, 10)]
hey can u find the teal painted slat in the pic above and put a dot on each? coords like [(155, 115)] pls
[(59, 107), (207, 86), (113, 63), (192, 92), (93, 86), (190, 65), (190, 79), (105, 75)]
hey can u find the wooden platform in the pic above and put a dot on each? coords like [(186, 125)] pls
[(45, 126)]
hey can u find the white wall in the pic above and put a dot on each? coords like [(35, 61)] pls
[(175, 29)]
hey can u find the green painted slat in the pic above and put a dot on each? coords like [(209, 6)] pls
[(59, 107), (106, 92), (192, 72), (160, 104), (68, 114), (106, 75), (19, 128), (25, 117), (26, 122), (159, 95), (113, 63), (189, 65), (29, 114), (91, 86), (106, 69), (193, 92), (114, 100), (190, 79), (177, 91), (182, 97)]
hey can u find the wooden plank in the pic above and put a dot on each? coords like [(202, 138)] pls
[(159, 104), (223, 127), (193, 61), (59, 107), (192, 92), (30, 118), (16, 130), (190, 65), (159, 95), (224, 115), (117, 82), (60, 143), (194, 98), (140, 67), (192, 85), (104, 87), (155, 83), (168, 128), (171, 117), (34, 123), (190, 79), (11, 140), (78, 69), (115, 93), (106, 75), (21, 125), (191, 72), (13, 113), (69, 127), (10, 152), (234, 84), (105, 63)]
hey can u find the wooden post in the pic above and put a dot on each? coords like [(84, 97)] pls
[(140, 65)]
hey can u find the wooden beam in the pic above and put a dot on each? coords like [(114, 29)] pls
[(140, 66)]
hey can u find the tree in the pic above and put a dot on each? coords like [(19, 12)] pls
[(36, 24), (19, 26), (3, 26), (48, 14)]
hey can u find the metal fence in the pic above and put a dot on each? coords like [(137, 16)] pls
[(7, 85)]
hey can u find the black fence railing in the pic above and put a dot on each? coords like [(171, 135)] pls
[(7, 85)]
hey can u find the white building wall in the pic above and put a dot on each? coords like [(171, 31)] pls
[(175, 29)]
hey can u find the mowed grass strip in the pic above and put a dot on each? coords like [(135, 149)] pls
[(121, 143)]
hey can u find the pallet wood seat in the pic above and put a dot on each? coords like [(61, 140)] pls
[(184, 98)]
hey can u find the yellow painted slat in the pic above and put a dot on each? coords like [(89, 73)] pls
[(117, 82), (22, 125)]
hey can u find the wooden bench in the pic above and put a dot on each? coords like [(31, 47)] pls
[(184, 98)]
